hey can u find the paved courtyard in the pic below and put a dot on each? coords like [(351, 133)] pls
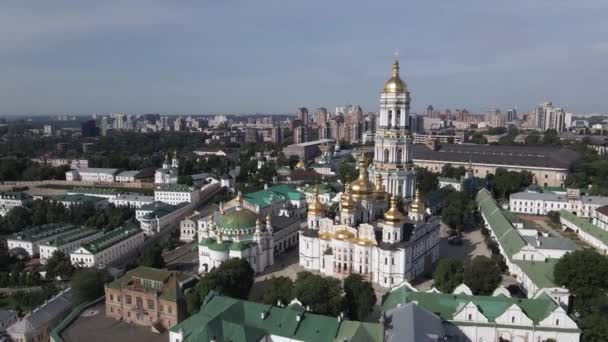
[(93, 326)]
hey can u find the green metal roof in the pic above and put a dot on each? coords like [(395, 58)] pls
[(44, 231), (100, 191), (77, 198), (111, 238), (508, 237), (229, 319), (71, 237), (226, 245), (448, 305), (175, 188), (273, 194), (238, 219), (585, 225)]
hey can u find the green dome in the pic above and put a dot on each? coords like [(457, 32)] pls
[(239, 219)]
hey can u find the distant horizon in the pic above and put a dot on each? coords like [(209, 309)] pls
[(273, 57)]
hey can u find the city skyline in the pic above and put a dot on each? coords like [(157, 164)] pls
[(273, 58)]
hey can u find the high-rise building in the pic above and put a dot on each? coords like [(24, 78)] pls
[(277, 135), (549, 117), (429, 111), (89, 128), (496, 118), (303, 115), (321, 117), (511, 114), (393, 142)]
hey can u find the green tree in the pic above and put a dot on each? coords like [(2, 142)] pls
[(152, 257), (426, 181), (88, 284), (359, 297), (347, 172), (584, 272), (322, 294), (59, 265), (482, 275), (448, 275), (232, 278), (280, 289), (554, 216)]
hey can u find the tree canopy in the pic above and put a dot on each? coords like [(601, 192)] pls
[(359, 297), (59, 265), (482, 275), (322, 294), (88, 284), (280, 289), (152, 257), (448, 275)]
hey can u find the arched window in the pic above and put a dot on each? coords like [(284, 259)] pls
[(399, 155), (390, 118), (386, 155), (398, 117)]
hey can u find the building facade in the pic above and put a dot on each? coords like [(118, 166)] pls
[(67, 243), (148, 297), (168, 173), (108, 248), (176, 194), (368, 238), (541, 203), (10, 200)]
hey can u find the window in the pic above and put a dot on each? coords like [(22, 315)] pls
[(170, 308), (470, 317), (111, 297), (128, 299), (150, 304), (139, 302), (557, 322), (513, 319)]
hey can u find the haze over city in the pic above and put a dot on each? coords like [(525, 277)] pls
[(273, 56)]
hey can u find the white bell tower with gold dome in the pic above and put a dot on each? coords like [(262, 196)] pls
[(393, 142)]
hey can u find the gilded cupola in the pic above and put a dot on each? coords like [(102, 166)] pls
[(362, 186), (393, 215), (395, 84), (316, 207)]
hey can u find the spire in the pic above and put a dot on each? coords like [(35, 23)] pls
[(379, 192), (239, 201), (269, 223), (316, 207), (396, 68), (417, 205)]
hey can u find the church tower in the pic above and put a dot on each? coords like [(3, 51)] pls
[(393, 142)]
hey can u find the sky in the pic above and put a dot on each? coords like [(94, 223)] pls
[(228, 56)]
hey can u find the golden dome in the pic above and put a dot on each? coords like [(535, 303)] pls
[(343, 234), (348, 203), (393, 215), (379, 192), (395, 84), (417, 206), (258, 222), (316, 207), (300, 165), (362, 187)]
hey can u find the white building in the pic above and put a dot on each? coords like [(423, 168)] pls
[(540, 203), (131, 200), (326, 193), (108, 248), (176, 194), (393, 142), (37, 326), (78, 199), (168, 173), (189, 226), (488, 318), (550, 117), (67, 243), (10, 200), (127, 176), (92, 175), (156, 216), (30, 239), (529, 259), (239, 233), (56, 162), (594, 231), (384, 246)]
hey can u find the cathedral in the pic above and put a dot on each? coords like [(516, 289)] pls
[(169, 172), (370, 235)]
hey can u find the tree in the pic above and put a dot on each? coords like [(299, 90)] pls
[(152, 257), (448, 275), (280, 289), (346, 172), (426, 181), (232, 278), (554, 216), (584, 272), (359, 297), (88, 284), (482, 275), (322, 294), (59, 265)]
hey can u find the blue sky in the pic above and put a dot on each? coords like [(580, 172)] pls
[(274, 56)]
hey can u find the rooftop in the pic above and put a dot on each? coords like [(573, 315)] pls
[(101, 191), (111, 238), (585, 225), (446, 305), (273, 194), (15, 195), (229, 319), (77, 198), (175, 188), (529, 156), (169, 279), (97, 170), (55, 307), (43, 232), (71, 237)]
